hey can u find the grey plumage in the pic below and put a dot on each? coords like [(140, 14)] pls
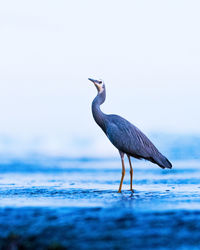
[(130, 140), (126, 137)]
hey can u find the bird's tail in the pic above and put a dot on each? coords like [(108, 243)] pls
[(162, 161)]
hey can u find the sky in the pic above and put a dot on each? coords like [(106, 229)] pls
[(147, 52)]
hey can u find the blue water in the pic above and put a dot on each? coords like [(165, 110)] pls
[(73, 204)]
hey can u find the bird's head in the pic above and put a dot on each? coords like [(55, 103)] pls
[(99, 84)]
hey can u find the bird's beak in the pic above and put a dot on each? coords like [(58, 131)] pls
[(97, 85), (92, 80)]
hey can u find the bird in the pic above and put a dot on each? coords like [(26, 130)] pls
[(126, 137)]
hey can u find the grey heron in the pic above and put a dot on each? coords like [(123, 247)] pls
[(126, 137)]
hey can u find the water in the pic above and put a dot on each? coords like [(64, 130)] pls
[(61, 204)]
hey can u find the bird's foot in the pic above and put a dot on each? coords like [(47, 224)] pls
[(119, 191), (132, 190)]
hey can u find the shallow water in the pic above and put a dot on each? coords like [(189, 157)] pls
[(60, 203)]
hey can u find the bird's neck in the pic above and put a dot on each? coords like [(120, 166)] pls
[(98, 115)]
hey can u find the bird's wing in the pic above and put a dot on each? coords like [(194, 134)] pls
[(128, 138)]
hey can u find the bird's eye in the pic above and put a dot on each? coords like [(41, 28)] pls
[(100, 82)]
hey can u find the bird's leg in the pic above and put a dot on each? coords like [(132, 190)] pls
[(123, 171), (131, 173)]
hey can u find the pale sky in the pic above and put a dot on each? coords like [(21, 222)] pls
[(147, 52)]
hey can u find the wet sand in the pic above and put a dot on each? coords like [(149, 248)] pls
[(62, 204)]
